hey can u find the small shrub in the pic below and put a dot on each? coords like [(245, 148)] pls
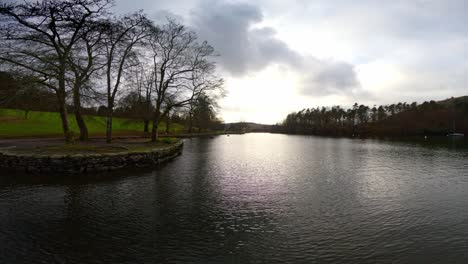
[(168, 140)]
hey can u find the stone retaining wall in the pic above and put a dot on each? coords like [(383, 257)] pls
[(82, 163)]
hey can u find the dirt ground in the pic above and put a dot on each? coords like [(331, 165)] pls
[(43, 143)]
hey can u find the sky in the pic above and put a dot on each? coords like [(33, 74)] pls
[(281, 56)]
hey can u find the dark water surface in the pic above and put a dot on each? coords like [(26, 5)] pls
[(254, 198)]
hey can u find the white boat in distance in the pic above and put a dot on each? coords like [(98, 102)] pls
[(456, 135)]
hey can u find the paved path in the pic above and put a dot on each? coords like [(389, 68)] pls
[(37, 142), (9, 143)]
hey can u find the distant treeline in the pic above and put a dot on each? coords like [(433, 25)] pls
[(401, 119)]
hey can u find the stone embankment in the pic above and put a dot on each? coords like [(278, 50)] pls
[(82, 163)]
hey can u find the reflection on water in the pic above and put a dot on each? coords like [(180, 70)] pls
[(250, 198)]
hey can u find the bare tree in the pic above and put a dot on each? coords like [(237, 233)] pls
[(85, 60), (206, 86), (204, 112), (140, 79), (177, 61), (37, 40), (121, 39)]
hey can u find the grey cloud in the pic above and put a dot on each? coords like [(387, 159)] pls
[(329, 77), (161, 16), (234, 29), (230, 28)]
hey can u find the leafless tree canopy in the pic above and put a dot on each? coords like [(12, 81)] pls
[(84, 54)]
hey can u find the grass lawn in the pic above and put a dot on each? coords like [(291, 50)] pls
[(48, 124)]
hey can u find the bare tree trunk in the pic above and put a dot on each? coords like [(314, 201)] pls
[(65, 125), (190, 123), (168, 124), (147, 114), (84, 135), (110, 111), (154, 129), (62, 98), (146, 126)]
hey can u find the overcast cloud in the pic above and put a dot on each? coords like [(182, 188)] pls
[(327, 52), (244, 47)]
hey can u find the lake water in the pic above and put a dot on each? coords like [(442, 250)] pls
[(254, 198)]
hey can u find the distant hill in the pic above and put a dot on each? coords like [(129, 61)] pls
[(247, 127), (429, 118), (454, 100)]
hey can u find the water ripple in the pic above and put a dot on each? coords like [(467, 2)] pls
[(255, 198)]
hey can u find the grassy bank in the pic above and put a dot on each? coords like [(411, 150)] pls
[(13, 124)]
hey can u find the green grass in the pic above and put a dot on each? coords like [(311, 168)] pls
[(48, 124)]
